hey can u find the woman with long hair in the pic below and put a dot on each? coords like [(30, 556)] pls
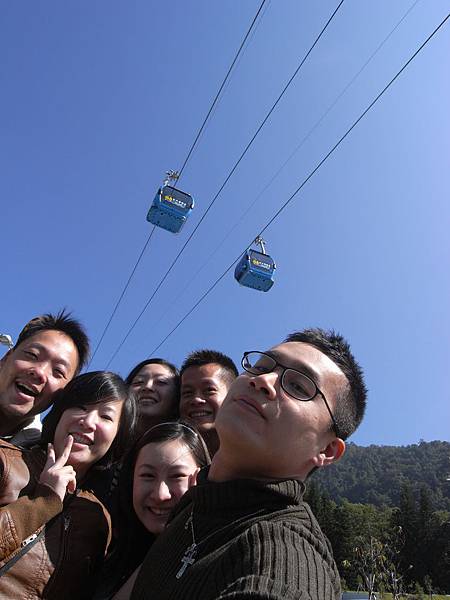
[(160, 468), (54, 531), (156, 385)]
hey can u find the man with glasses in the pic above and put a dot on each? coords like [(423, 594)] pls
[(244, 530)]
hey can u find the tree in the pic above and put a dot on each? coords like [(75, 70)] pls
[(369, 557)]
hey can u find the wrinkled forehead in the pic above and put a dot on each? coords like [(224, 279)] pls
[(56, 344), (197, 374), (308, 359)]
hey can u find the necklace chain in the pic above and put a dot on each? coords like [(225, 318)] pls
[(190, 554)]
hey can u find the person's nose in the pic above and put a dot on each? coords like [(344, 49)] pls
[(89, 420), (148, 385), (39, 372), (197, 399), (161, 492), (266, 384)]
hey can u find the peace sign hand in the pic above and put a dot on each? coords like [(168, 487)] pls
[(56, 474)]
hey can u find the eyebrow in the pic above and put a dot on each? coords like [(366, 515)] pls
[(58, 359), (112, 409), (305, 369), (172, 466)]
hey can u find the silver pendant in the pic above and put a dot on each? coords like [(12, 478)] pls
[(187, 559)]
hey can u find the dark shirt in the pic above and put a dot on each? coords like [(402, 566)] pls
[(254, 540)]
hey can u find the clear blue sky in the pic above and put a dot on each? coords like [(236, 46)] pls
[(98, 99)]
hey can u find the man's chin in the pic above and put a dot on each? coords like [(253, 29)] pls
[(204, 428), (18, 409)]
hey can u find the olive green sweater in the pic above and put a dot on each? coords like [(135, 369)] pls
[(254, 540)]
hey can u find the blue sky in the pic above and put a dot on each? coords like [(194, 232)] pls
[(100, 98)]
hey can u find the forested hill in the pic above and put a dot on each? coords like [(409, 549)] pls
[(376, 474)]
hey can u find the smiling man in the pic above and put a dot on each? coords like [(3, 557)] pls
[(50, 351), (206, 376), (244, 531)]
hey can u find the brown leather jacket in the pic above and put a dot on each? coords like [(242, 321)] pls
[(61, 565)]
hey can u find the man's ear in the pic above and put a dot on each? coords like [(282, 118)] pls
[(4, 358), (332, 453)]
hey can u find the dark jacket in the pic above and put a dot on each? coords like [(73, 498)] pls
[(253, 539), (62, 563)]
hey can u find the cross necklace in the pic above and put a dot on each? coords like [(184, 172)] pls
[(190, 554), (188, 557)]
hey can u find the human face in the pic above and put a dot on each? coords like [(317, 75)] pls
[(203, 389), (31, 373), (155, 388), (164, 471), (265, 433), (93, 428)]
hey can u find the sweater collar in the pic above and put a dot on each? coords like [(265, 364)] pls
[(227, 495)]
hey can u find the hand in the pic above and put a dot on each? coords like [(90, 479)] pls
[(55, 474)]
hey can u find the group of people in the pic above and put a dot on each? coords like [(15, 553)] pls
[(169, 484)]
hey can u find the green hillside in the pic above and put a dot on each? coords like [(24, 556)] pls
[(376, 474), (388, 507)]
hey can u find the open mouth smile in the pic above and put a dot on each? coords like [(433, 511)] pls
[(200, 414), (80, 438), (159, 512), (27, 390), (148, 400)]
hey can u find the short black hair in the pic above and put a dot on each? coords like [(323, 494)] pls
[(64, 323), (351, 402), (94, 388), (203, 357)]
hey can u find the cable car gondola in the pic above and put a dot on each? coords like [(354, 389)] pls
[(255, 269), (171, 207)]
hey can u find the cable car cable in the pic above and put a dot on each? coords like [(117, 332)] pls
[(225, 182), (311, 174), (120, 297), (272, 179), (230, 79), (226, 78), (220, 89)]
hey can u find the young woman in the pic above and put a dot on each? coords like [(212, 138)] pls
[(54, 531), (160, 468), (156, 384)]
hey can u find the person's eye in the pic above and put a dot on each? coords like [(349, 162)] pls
[(179, 476), (186, 393), (211, 391), (136, 383), (297, 387), (59, 374), (31, 354), (146, 475), (161, 382), (108, 417)]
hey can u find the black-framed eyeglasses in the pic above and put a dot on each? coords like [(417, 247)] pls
[(295, 383)]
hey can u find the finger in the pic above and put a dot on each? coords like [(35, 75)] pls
[(61, 460), (50, 457), (72, 485)]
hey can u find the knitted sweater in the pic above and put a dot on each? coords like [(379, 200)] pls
[(254, 540)]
